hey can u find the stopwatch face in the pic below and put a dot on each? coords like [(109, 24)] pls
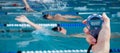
[(95, 21)]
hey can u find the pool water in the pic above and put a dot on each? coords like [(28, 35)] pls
[(15, 38)]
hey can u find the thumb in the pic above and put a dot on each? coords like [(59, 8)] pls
[(106, 20)]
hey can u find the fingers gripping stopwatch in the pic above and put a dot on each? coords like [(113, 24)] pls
[(94, 25)]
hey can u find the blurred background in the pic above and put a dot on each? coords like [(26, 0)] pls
[(19, 37)]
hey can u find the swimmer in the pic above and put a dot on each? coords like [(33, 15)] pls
[(23, 18), (102, 45), (40, 31), (59, 17), (27, 7), (58, 28)]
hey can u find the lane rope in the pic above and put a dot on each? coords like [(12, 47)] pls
[(14, 13), (60, 51), (53, 25)]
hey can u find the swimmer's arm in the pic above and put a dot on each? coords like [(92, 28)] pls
[(66, 20), (26, 4), (37, 27), (23, 18), (68, 16), (58, 17), (28, 8), (71, 16), (78, 35)]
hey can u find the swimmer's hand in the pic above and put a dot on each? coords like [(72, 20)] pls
[(102, 44), (29, 9), (22, 18)]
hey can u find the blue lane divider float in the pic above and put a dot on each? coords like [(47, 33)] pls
[(3, 13), (115, 50), (9, 52), (75, 24), (2, 25), (53, 25)]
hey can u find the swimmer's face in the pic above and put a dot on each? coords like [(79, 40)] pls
[(49, 17), (59, 29)]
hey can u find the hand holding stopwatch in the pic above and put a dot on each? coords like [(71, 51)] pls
[(94, 25)]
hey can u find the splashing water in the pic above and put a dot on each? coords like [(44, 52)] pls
[(25, 43), (53, 4), (48, 1), (58, 5), (44, 1)]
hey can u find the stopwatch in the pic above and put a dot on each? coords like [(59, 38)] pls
[(94, 25)]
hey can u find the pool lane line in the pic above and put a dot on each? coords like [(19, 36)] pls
[(117, 50), (15, 13), (48, 12), (52, 25), (67, 51), (14, 30), (14, 7), (19, 13), (43, 13), (52, 51)]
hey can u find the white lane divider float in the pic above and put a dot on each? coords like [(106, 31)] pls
[(20, 7), (57, 51), (27, 25), (15, 13)]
